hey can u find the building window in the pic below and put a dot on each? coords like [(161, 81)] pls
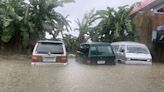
[(161, 10)]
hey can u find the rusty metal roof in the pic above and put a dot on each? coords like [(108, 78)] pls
[(145, 4)]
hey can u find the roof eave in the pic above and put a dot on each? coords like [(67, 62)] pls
[(149, 6)]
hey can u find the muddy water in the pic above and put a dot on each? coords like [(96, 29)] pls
[(20, 76)]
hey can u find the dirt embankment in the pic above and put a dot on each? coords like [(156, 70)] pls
[(15, 57)]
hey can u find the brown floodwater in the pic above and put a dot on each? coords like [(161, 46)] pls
[(20, 76)]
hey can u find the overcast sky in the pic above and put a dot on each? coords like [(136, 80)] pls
[(80, 7)]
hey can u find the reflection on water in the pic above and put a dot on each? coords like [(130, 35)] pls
[(20, 76)]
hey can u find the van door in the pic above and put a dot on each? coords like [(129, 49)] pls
[(83, 54), (116, 50), (121, 53)]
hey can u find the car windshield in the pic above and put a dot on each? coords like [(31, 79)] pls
[(53, 48), (101, 50), (137, 49)]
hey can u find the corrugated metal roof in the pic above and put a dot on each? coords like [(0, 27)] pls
[(145, 4)]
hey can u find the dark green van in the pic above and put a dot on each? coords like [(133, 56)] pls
[(95, 53)]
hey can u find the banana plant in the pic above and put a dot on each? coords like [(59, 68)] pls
[(115, 25), (23, 23), (87, 25)]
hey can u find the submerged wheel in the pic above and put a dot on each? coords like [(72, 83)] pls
[(119, 61), (113, 63)]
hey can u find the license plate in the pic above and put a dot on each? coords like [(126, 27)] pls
[(100, 62), (49, 59)]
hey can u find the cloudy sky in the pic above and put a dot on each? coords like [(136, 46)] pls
[(80, 7)]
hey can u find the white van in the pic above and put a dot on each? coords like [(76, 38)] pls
[(131, 53)]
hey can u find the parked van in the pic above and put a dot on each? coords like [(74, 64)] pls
[(131, 53), (95, 53)]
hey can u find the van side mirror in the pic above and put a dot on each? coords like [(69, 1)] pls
[(122, 51)]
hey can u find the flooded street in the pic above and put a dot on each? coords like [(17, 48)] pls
[(21, 76)]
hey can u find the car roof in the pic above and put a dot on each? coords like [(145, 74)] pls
[(128, 43), (50, 41), (97, 43)]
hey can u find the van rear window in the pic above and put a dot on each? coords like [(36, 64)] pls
[(53, 48), (101, 50)]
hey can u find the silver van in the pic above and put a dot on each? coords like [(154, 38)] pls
[(131, 53)]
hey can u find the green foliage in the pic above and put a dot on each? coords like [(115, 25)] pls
[(86, 25), (107, 24), (25, 38), (7, 34), (25, 23), (71, 43), (112, 26)]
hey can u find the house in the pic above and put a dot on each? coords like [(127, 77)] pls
[(148, 18)]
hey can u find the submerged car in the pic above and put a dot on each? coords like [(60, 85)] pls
[(95, 53), (49, 51), (132, 53)]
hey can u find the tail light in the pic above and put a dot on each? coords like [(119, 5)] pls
[(62, 59), (36, 58)]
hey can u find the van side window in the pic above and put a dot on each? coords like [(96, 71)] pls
[(80, 48), (84, 49), (115, 48), (93, 50), (122, 48)]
